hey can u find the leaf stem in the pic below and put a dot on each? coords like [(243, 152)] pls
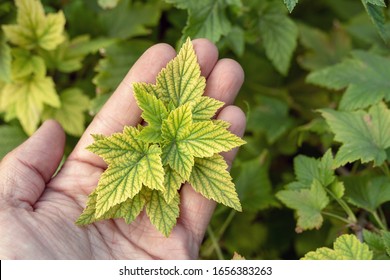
[(347, 221), (214, 241), (378, 220), (351, 216), (221, 231), (385, 169), (382, 216)]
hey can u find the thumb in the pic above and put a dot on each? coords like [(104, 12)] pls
[(25, 171)]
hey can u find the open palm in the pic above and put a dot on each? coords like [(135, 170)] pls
[(38, 211)]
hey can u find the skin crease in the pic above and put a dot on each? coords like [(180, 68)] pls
[(38, 211)]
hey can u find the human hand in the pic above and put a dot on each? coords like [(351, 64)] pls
[(38, 211)]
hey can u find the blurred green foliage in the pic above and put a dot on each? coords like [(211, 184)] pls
[(316, 95)]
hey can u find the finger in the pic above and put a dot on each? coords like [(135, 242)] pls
[(196, 210), (25, 171), (121, 109), (225, 81)]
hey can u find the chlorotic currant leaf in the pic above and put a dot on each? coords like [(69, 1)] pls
[(205, 108), (154, 112), (148, 88), (210, 177), (131, 164), (346, 247), (203, 139), (35, 29), (162, 215), (129, 210), (188, 140), (71, 113), (27, 97), (173, 129), (172, 183), (222, 123), (178, 142), (308, 204), (88, 215), (180, 81)]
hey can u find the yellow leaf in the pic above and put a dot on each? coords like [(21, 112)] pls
[(181, 81), (34, 29), (71, 113), (210, 177), (28, 97)]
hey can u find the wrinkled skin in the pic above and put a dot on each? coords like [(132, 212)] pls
[(38, 211)]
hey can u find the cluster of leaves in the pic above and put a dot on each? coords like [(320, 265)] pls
[(316, 95), (40, 47), (148, 165)]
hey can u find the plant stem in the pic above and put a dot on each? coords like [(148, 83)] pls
[(351, 216), (348, 222), (214, 241), (378, 220), (385, 169), (382, 216), (221, 231)]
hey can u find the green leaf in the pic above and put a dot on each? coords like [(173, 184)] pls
[(290, 4), (116, 62), (5, 62), (308, 204), (308, 169), (71, 113), (162, 215), (210, 177), (279, 35), (364, 136), (27, 97), (323, 49), (254, 186), (131, 165), (180, 81), (34, 29), (130, 19), (378, 243), (270, 116), (380, 3), (367, 193), (346, 247), (386, 241), (206, 19), (374, 9), (11, 137), (366, 77)]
